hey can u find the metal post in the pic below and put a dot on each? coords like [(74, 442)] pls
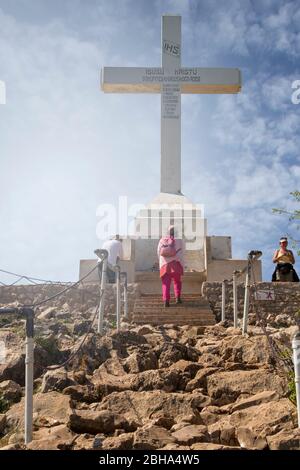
[(102, 296), (125, 296), (29, 363), (223, 300), (296, 360), (118, 298), (246, 299), (235, 300)]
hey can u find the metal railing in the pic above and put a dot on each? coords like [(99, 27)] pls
[(102, 270)]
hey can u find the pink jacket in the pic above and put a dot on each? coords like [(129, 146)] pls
[(179, 245)]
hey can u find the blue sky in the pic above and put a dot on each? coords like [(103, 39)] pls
[(65, 147)]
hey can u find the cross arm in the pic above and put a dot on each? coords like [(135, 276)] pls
[(150, 80)]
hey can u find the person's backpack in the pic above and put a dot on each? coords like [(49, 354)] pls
[(167, 249)]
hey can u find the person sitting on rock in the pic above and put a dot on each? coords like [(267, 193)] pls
[(285, 260), (170, 254)]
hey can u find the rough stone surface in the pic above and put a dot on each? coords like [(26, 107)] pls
[(226, 387), (10, 391), (152, 437), (147, 387)]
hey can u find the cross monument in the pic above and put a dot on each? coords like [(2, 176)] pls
[(170, 80)]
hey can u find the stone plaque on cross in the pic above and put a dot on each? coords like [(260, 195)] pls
[(170, 80)]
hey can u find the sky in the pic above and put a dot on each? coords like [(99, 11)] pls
[(66, 147)]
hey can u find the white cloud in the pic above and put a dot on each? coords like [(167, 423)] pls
[(68, 147)]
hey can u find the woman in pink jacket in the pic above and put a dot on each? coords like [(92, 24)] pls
[(170, 254)]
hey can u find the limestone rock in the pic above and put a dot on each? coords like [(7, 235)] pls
[(140, 406), (226, 387), (172, 352), (263, 420), (10, 391), (112, 366), (285, 440), (122, 442), (56, 380), (49, 409), (212, 414), (152, 437), (223, 432), (47, 313), (88, 442), (139, 362), (211, 446), (259, 398), (82, 393), (189, 368), (188, 435), (2, 422), (247, 351), (94, 422), (81, 327), (54, 438), (200, 378), (248, 440)]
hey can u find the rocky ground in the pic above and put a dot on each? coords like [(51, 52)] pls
[(147, 387)]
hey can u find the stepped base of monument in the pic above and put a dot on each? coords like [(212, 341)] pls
[(150, 283), (194, 310)]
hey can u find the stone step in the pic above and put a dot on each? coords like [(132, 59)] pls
[(172, 305), (174, 311), (167, 321), (160, 321), (194, 310)]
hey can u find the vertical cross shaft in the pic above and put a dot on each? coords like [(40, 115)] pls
[(170, 173)]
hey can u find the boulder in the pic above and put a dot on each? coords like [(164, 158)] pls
[(112, 366), (49, 409), (82, 393), (254, 424), (188, 435), (94, 422), (223, 432), (285, 440), (81, 327), (88, 442), (47, 313), (150, 437), (140, 361), (56, 380), (122, 442), (189, 368), (211, 446), (141, 406), (247, 351), (262, 397), (10, 391), (212, 414), (199, 380), (54, 438), (226, 387), (2, 422), (173, 352), (94, 352), (107, 383), (161, 379)]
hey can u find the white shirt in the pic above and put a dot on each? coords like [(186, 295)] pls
[(115, 250)]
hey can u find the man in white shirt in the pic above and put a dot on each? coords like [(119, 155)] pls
[(115, 253)]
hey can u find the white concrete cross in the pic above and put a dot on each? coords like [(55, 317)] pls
[(170, 80)]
